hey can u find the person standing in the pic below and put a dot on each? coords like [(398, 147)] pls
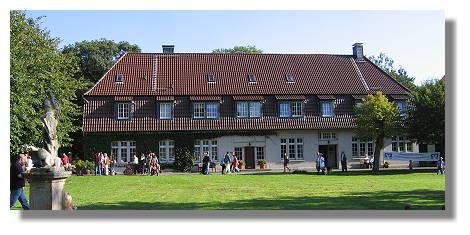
[(410, 164), (65, 161), (227, 163), (98, 164), (286, 161), (222, 163), (344, 167), (107, 162), (366, 161), (17, 182), (112, 164), (206, 161), (440, 166), (371, 162), (235, 163), (317, 161), (135, 163), (322, 164)]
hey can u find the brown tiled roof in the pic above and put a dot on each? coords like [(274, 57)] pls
[(122, 98), (204, 97), (358, 97), (186, 74), (248, 97), (164, 97), (289, 97), (326, 97)]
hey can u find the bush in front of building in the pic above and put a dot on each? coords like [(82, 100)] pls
[(82, 167)]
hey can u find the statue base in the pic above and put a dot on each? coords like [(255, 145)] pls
[(46, 191)]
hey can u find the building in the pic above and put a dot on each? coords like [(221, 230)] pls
[(256, 105)]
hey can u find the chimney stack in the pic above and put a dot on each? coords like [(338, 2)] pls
[(358, 51), (168, 48)]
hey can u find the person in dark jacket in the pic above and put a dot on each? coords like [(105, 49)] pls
[(286, 161), (206, 162), (17, 182), (344, 167), (440, 166)]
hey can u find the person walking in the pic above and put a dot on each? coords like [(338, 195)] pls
[(286, 161), (317, 161), (322, 164), (112, 164), (235, 163), (98, 164), (107, 162), (65, 161), (17, 182), (440, 166), (366, 161), (135, 164), (371, 162), (206, 161), (344, 166), (231, 161), (142, 164)]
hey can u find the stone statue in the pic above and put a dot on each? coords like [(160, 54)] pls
[(48, 155)]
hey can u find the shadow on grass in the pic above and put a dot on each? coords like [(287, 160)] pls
[(354, 172), (385, 200)]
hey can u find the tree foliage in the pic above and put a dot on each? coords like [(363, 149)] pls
[(400, 74), (426, 121), (97, 56), (37, 65), (239, 50), (377, 118)]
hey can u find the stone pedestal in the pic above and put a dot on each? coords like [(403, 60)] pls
[(46, 191)]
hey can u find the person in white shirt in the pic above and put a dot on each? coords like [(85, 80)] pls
[(135, 163)]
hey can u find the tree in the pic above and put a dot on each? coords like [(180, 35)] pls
[(426, 121), (376, 119), (37, 65), (97, 56), (400, 74), (239, 50)]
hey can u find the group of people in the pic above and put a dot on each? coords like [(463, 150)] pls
[(323, 165), (229, 163), (105, 165), (146, 164)]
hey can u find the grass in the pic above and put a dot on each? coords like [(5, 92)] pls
[(390, 190)]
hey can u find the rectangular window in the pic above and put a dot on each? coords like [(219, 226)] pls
[(165, 110), (297, 109), (251, 78), (370, 149), (354, 149), (289, 78), (210, 78), (326, 108), (209, 146), (123, 110), (291, 109), (212, 110), (394, 147), (402, 107), (284, 109), (294, 147), (199, 110), (255, 109), (123, 150), (242, 109), (239, 153), (402, 144), (359, 148), (259, 153), (166, 151)]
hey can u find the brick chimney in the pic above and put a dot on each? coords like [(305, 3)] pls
[(168, 48), (358, 51)]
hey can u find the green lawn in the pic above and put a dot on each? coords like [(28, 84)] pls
[(390, 190)]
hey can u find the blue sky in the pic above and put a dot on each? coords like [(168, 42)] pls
[(414, 39)]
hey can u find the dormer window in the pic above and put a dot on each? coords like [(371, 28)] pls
[(118, 78), (402, 107), (211, 78), (251, 78), (289, 78)]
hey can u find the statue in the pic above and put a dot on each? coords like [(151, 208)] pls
[(48, 155)]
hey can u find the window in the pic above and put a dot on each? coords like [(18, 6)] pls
[(289, 78), (118, 78), (211, 78), (251, 78), (327, 135), (401, 144), (123, 111), (291, 109), (166, 110), (259, 153), (166, 153), (294, 147), (206, 110), (248, 109), (326, 108), (239, 153), (360, 148), (123, 150), (402, 107), (201, 146)]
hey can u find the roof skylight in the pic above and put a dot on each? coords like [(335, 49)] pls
[(118, 78), (210, 78), (289, 78), (251, 78)]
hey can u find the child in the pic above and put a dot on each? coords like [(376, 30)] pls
[(68, 204)]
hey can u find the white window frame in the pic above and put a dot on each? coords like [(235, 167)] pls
[(202, 110), (123, 110), (294, 146), (206, 145), (327, 136), (167, 112), (402, 106), (166, 151), (248, 109), (289, 112), (260, 153), (326, 112), (402, 145), (119, 147), (239, 152), (209, 110), (360, 148)]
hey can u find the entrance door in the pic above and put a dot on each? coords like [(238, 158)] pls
[(250, 157), (329, 153)]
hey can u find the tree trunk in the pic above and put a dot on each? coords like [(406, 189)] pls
[(379, 144)]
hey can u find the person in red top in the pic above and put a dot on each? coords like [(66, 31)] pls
[(98, 164), (65, 160)]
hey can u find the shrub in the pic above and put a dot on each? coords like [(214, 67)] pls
[(81, 166), (262, 162)]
